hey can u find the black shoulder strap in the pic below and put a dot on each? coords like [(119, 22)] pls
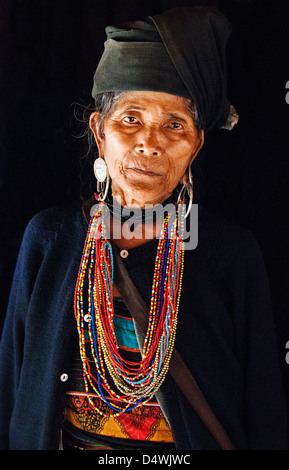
[(177, 368)]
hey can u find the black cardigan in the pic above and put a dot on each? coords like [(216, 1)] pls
[(225, 335)]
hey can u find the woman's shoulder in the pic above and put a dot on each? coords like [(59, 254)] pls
[(63, 219), (225, 238)]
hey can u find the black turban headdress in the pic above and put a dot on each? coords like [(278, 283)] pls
[(181, 51)]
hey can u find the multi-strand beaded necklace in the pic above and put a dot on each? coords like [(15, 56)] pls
[(134, 383)]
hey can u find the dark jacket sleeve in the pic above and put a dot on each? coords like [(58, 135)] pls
[(12, 341), (39, 334), (265, 406)]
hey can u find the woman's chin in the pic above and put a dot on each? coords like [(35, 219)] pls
[(140, 190), (141, 197)]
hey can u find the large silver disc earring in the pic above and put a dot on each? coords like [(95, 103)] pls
[(102, 177), (187, 187)]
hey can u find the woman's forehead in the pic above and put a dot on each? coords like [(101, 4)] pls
[(148, 100)]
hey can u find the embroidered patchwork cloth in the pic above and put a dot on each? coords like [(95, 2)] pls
[(145, 423)]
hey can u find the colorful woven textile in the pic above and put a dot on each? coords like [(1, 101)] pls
[(145, 423)]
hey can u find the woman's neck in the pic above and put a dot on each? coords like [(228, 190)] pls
[(135, 227), (125, 238)]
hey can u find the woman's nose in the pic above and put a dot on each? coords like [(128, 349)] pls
[(149, 143)]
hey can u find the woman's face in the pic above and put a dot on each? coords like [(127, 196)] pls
[(148, 141)]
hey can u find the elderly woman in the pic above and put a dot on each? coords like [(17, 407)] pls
[(122, 336)]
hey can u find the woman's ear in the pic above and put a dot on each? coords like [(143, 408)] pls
[(95, 126)]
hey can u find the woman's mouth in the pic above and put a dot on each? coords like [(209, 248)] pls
[(144, 171)]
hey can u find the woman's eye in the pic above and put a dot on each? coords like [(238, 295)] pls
[(130, 119), (175, 125)]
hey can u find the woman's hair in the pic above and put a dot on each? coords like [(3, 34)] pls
[(105, 104)]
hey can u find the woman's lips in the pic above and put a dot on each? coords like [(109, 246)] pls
[(144, 171)]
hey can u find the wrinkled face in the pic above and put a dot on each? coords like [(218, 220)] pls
[(148, 142)]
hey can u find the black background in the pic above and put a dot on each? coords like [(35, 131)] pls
[(48, 54)]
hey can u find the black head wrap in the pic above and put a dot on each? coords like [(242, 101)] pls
[(181, 52)]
